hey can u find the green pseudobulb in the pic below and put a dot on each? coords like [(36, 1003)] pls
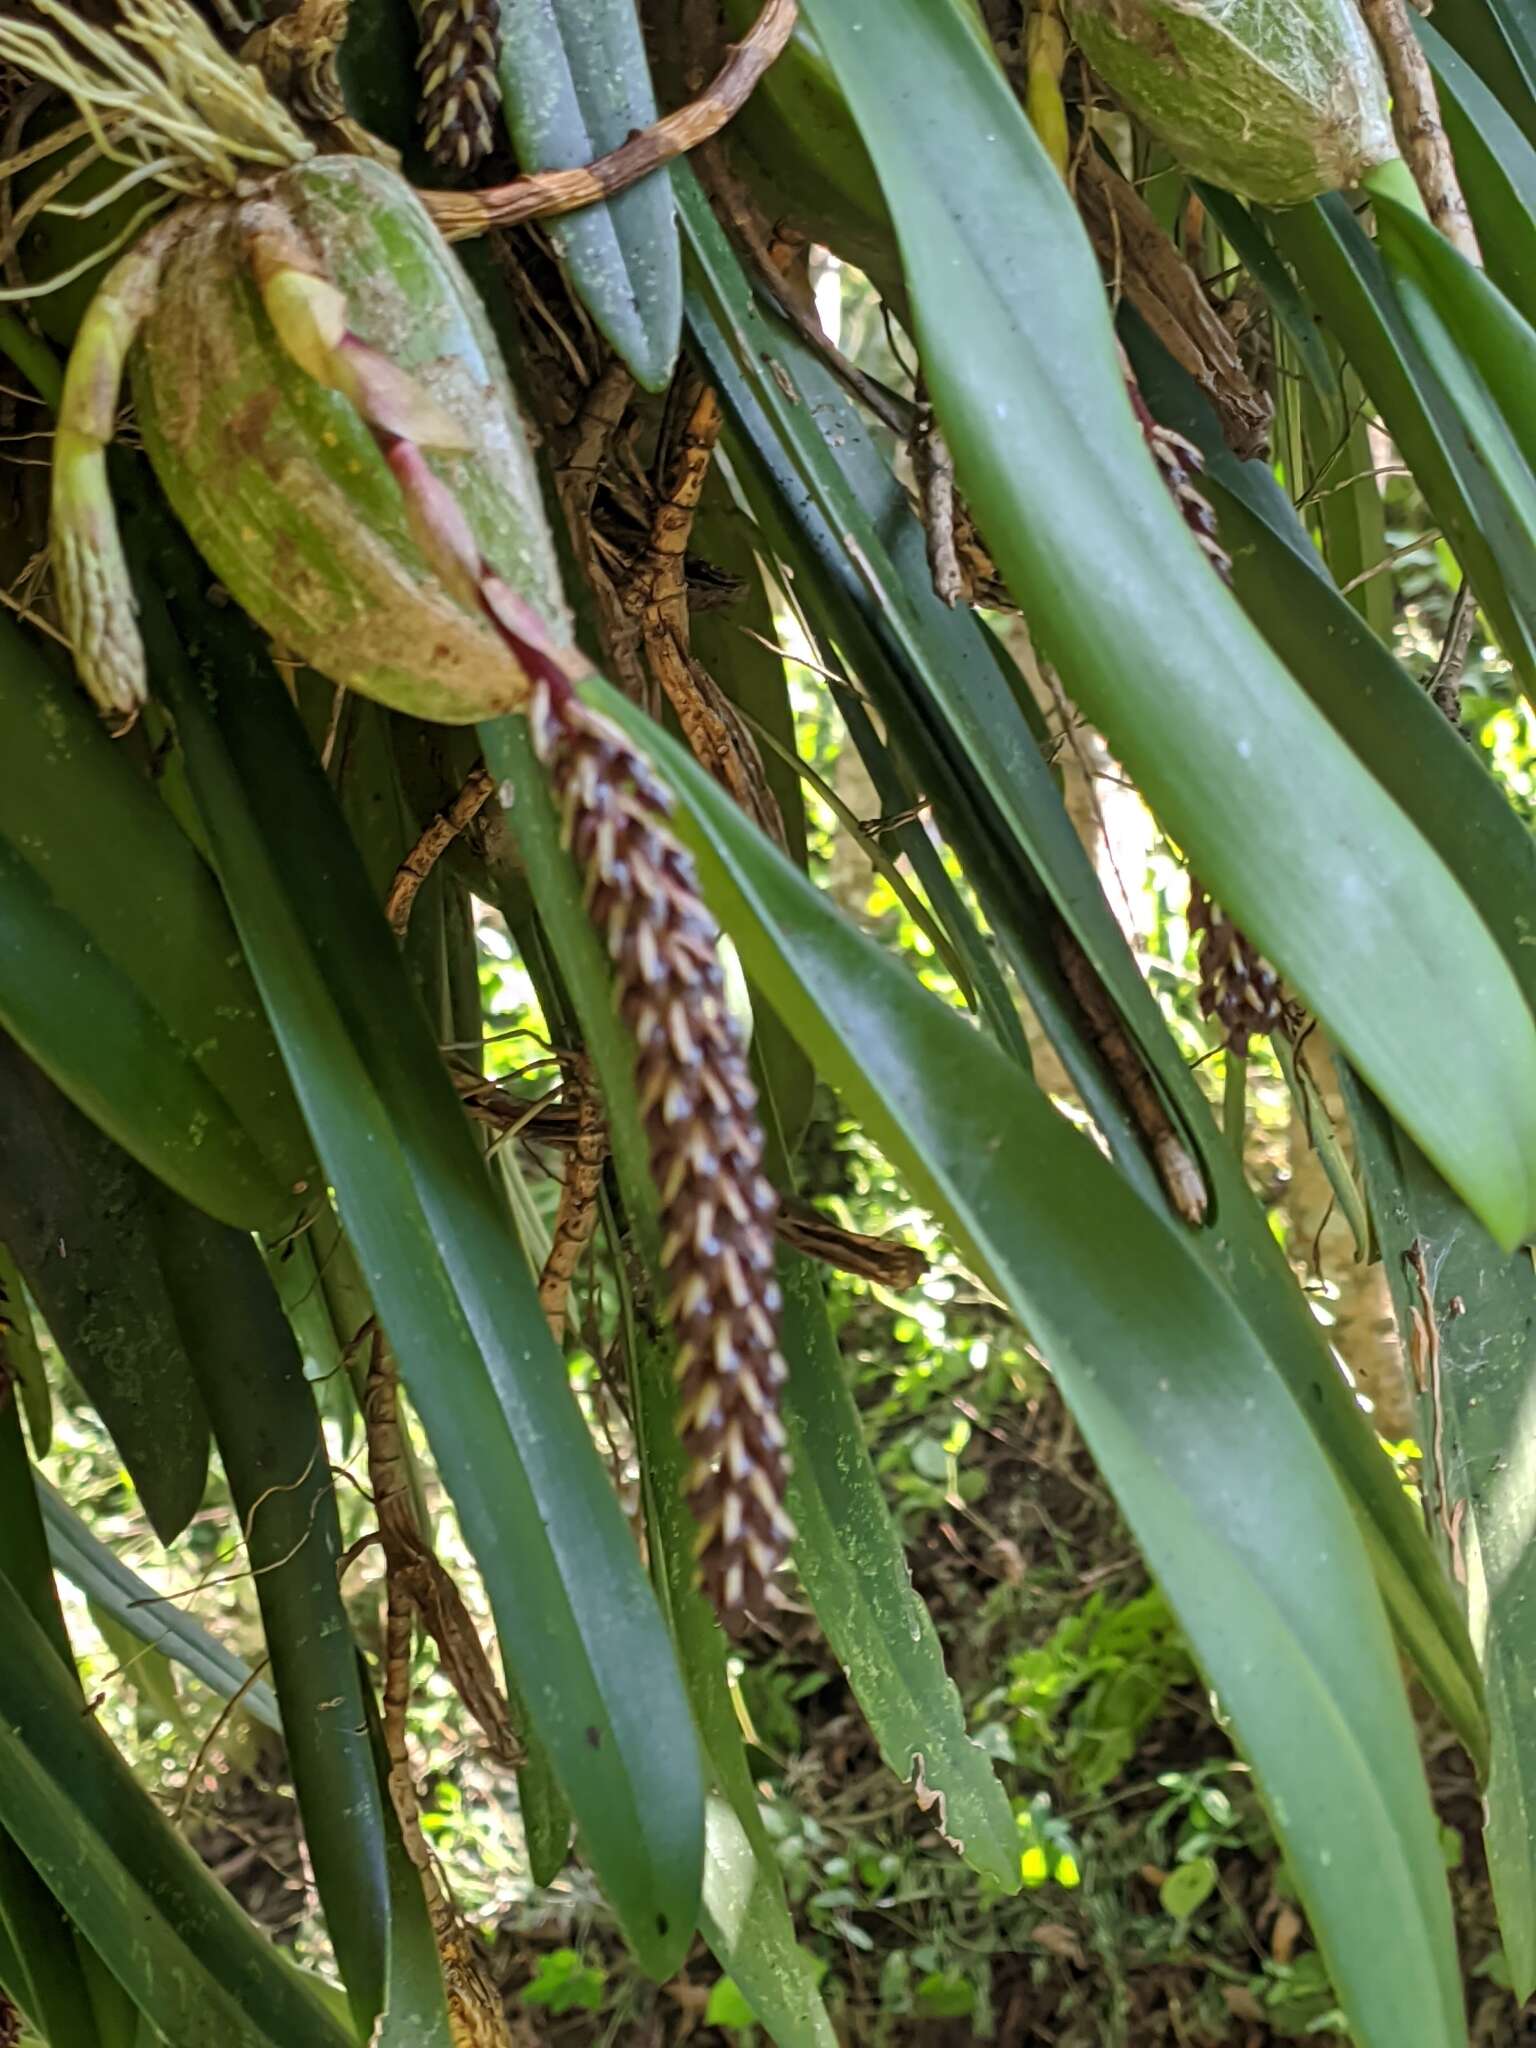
[(1276, 100), (280, 482)]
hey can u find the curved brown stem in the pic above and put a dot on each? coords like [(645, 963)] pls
[(462, 214)]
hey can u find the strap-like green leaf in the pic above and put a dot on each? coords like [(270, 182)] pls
[(73, 1211), (113, 863), (40, 1960), (1465, 324), (1495, 37), (166, 1928), (814, 480), (1299, 842), (40, 1964), (1496, 166), (1228, 1493), (100, 1038), (575, 83), (751, 1931), (577, 1624), (849, 1556), (274, 1458)]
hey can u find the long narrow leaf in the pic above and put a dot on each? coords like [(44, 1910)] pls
[(72, 1209), (1184, 1413), (274, 1458), (814, 480), (43, 1974), (168, 1930), (1464, 1312), (130, 892), (1303, 847), (577, 1625), (1495, 38), (1496, 166), (1449, 300)]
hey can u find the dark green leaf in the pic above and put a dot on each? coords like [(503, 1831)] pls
[(578, 1629), (1185, 1415), (274, 1458), (40, 1964), (72, 1211), (165, 1927), (1496, 166), (135, 912), (44, 1970), (1495, 38)]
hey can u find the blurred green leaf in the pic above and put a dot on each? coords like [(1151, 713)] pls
[(727, 2007), (1185, 1890), (115, 1589)]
